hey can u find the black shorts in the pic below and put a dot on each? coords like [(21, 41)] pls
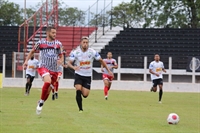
[(28, 76), (157, 82), (82, 80)]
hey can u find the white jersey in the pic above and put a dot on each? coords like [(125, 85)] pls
[(84, 60), (32, 65), (156, 67), (110, 62)]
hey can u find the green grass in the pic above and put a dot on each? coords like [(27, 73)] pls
[(124, 112)]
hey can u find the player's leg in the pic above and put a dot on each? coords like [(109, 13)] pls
[(106, 88), (30, 85), (155, 83), (45, 89), (56, 87), (78, 85), (53, 91), (160, 89), (27, 84)]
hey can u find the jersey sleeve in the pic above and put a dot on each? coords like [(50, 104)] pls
[(72, 56), (163, 66), (151, 65), (115, 62), (37, 46), (97, 55)]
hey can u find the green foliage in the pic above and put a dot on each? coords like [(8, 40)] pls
[(171, 13), (127, 15), (124, 112), (10, 14)]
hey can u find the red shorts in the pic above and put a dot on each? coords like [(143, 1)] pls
[(108, 77), (43, 72)]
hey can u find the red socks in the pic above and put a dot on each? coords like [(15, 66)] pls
[(56, 86), (45, 91), (105, 90)]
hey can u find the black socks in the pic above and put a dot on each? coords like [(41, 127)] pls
[(160, 94), (79, 99)]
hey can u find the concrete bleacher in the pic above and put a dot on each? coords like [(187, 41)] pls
[(8, 44), (133, 44)]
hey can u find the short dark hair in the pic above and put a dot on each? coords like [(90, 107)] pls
[(84, 37), (49, 28), (109, 52)]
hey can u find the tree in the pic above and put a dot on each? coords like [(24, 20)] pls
[(99, 19), (127, 15), (70, 16), (171, 13), (10, 14)]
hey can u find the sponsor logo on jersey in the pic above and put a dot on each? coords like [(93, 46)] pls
[(84, 63)]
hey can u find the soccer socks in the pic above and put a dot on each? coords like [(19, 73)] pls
[(160, 94), (45, 91), (56, 86), (27, 87), (79, 99), (30, 85), (106, 91)]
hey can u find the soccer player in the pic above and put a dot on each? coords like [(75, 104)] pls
[(107, 79), (83, 58), (50, 58), (156, 68), (30, 73)]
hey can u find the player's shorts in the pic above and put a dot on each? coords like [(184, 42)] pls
[(43, 72), (82, 80), (157, 82), (28, 76), (59, 74), (107, 77)]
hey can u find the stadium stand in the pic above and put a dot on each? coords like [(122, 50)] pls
[(133, 44)]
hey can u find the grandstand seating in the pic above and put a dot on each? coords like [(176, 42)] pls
[(133, 44), (8, 43)]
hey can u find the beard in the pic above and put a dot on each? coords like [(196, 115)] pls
[(51, 37)]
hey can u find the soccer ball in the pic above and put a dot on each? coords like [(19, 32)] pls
[(173, 118)]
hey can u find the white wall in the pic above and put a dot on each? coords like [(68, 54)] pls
[(117, 85)]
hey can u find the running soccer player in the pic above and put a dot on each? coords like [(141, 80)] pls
[(30, 73), (107, 79), (50, 58), (83, 58), (156, 68)]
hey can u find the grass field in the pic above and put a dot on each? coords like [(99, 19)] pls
[(124, 112)]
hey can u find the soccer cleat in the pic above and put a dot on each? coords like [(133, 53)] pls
[(39, 108), (56, 95), (159, 102), (151, 89), (26, 94), (106, 97), (53, 96), (80, 111)]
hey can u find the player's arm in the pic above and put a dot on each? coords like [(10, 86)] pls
[(105, 66), (115, 65), (30, 54), (61, 56), (163, 69)]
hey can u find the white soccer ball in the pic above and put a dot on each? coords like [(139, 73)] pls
[(173, 118)]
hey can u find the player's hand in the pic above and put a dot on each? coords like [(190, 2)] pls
[(164, 71), (76, 68), (157, 74), (25, 65), (102, 70), (111, 74)]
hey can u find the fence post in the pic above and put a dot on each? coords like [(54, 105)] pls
[(119, 67), (14, 65), (193, 69), (145, 69), (170, 70), (3, 69)]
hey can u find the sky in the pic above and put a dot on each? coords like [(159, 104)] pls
[(80, 4)]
